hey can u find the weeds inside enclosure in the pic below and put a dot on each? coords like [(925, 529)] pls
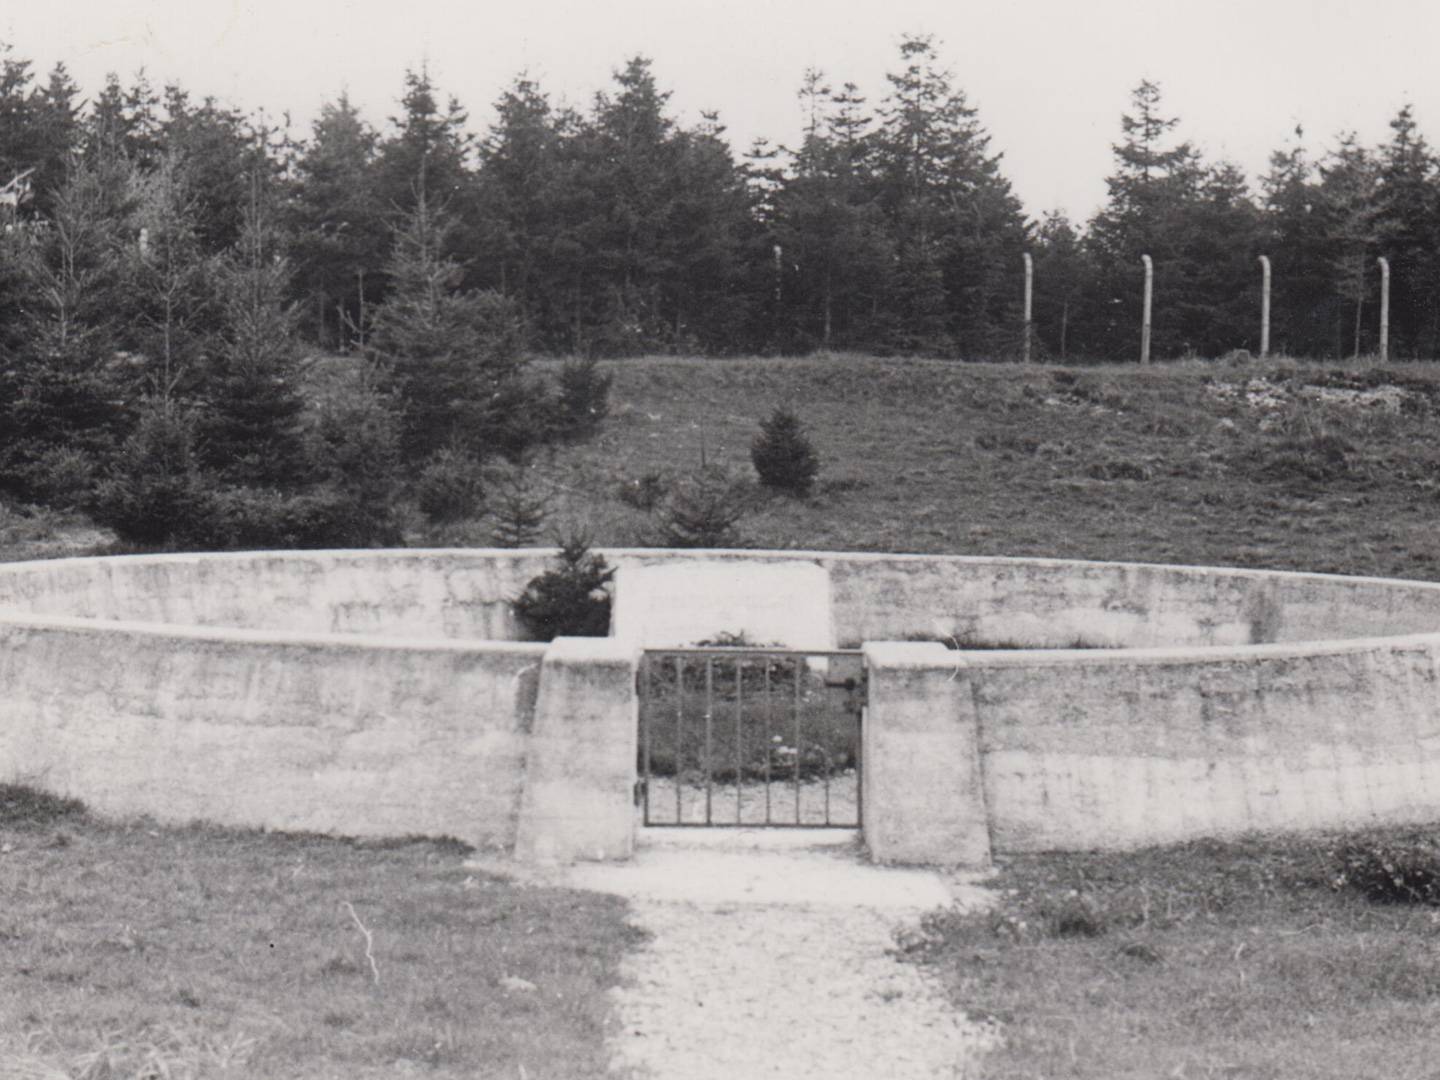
[(748, 716)]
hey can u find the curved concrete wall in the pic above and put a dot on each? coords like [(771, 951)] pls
[(1127, 748), (358, 736), (238, 688), (1037, 603)]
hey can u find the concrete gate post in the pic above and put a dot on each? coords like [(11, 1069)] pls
[(924, 796), (578, 799)]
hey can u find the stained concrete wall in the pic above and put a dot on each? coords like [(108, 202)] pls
[(780, 602), (356, 736), (1113, 750), (1043, 603), (117, 684), (412, 594), (467, 593), (923, 798), (580, 777)]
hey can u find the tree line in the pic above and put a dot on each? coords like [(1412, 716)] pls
[(614, 229)]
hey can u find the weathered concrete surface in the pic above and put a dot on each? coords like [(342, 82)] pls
[(1123, 749), (665, 603), (465, 593), (117, 684), (411, 594), (360, 737), (580, 771), (1048, 603), (924, 801)]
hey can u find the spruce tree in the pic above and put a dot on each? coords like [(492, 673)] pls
[(338, 221), (453, 357), (1303, 303), (1155, 181), (58, 389), (957, 226), (829, 223), (1349, 192), (1408, 218), (252, 423), (426, 156)]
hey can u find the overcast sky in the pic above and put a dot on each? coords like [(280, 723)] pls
[(1049, 77)]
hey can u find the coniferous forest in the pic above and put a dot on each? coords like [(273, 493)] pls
[(169, 263)]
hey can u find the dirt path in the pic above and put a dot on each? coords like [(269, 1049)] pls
[(773, 960)]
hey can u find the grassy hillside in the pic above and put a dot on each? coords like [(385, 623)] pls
[(1282, 464)]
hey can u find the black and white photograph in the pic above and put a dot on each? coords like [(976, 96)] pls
[(719, 540)]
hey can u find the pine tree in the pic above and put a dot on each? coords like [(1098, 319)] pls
[(702, 297), (219, 152), (519, 508), (124, 123), (169, 286), (252, 425), (453, 357), (1061, 271), (957, 226), (829, 223), (341, 237), (58, 135), (1408, 219), (1349, 189), (21, 146), (519, 158), (630, 153), (58, 388), (1214, 305), (427, 157), (1303, 302), (1154, 183)]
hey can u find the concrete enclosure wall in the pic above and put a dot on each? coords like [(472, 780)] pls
[(382, 692), (361, 737)]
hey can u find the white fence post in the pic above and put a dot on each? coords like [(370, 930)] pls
[(1145, 318), (1264, 306)]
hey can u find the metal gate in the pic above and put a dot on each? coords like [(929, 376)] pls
[(751, 737)]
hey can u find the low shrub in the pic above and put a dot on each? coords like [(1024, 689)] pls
[(703, 508), (584, 398), (1390, 870), (518, 507), (449, 488), (324, 517), (154, 494), (1308, 458), (1118, 469), (782, 454), (644, 492), (571, 600), (24, 806)]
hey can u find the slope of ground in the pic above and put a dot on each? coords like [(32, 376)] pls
[(1284, 464), (1280, 465)]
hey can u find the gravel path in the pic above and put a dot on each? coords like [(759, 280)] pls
[(769, 962)]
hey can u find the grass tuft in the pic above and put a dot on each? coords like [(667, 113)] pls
[(24, 806)]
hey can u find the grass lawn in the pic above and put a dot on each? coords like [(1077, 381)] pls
[(1282, 465), (1240, 960), (134, 950)]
